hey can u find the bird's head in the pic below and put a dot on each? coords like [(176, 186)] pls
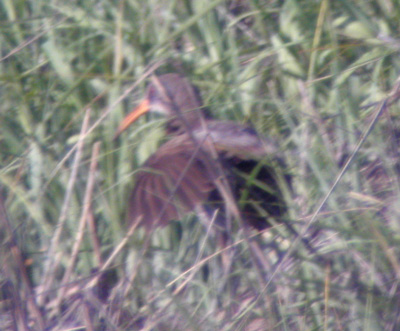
[(168, 94)]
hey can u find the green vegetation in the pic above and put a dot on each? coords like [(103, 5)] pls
[(310, 74)]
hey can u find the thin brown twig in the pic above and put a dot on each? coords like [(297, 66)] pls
[(51, 264), (95, 239), (82, 223)]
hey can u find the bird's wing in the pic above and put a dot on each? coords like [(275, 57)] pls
[(235, 140), (172, 182)]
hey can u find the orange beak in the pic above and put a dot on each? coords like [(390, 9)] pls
[(141, 109)]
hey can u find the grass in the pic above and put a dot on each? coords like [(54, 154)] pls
[(309, 74)]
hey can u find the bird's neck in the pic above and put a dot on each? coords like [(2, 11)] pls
[(185, 121)]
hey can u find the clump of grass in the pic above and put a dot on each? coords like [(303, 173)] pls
[(312, 76)]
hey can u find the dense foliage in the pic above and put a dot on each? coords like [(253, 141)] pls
[(319, 77)]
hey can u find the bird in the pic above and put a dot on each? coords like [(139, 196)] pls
[(183, 174)]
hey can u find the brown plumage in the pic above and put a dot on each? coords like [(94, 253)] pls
[(181, 174)]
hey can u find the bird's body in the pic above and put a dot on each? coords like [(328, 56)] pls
[(181, 175)]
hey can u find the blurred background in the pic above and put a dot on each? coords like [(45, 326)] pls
[(319, 77)]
